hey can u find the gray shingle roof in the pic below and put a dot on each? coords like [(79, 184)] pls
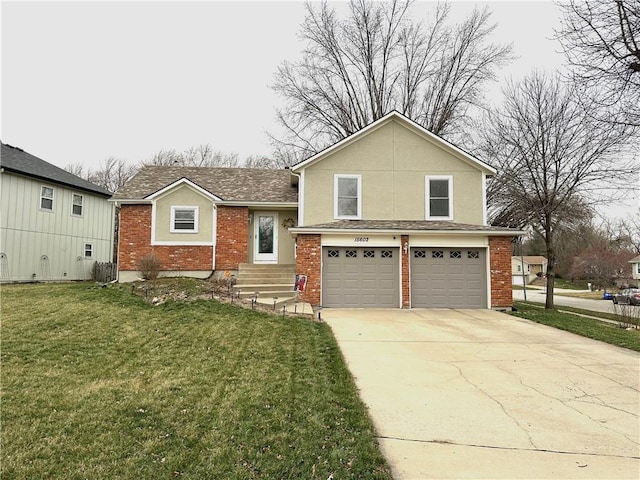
[(16, 160), (229, 184), (406, 225)]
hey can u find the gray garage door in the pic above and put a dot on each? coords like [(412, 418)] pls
[(360, 277), (448, 278)]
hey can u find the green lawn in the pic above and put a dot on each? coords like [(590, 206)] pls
[(587, 327), (97, 383)]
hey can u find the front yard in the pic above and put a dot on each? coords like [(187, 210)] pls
[(622, 331), (98, 383)]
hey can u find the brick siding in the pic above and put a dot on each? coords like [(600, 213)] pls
[(308, 262), (406, 300), (500, 265), (135, 242), (232, 237)]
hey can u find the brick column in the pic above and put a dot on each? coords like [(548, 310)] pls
[(134, 240), (232, 245), (500, 265), (406, 300), (308, 262)]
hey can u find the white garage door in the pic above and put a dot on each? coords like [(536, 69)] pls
[(448, 278), (360, 277)]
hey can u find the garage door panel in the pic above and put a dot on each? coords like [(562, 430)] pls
[(350, 283), (474, 284), (360, 277), (448, 278), (387, 284)]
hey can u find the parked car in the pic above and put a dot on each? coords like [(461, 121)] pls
[(607, 296), (629, 296)]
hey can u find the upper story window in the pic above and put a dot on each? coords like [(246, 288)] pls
[(439, 197), (46, 198), (184, 219), (76, 204), (347, 200)]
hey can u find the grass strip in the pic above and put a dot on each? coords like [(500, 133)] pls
[(97, 383), (580, 325)]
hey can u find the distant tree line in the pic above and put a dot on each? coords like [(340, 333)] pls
[(592, 251), (113, 173)]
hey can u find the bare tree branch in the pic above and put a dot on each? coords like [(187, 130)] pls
[(552, 156), (600, 39), (112, 174), (355, 70)]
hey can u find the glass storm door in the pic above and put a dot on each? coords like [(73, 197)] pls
[(265, 239)]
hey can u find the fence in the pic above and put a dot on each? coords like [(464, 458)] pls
[(104, 272)]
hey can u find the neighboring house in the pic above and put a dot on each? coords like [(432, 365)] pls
[(53, 225), (533, 265), (392, 216), (635, 269)]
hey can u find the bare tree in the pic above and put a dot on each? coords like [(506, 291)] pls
[(356, 70), (626, 232), (601, 40), (112, 174), (552, 158), (602, 264), (261, 161), (206, 156), (201, 156), (76, 169), (164, 158)]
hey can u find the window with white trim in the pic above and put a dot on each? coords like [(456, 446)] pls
[(46, 198), (439, 197), (184, 219), (88, 250), (76, 204), (347, 196)]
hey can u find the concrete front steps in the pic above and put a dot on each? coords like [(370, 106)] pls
[(270, 281)]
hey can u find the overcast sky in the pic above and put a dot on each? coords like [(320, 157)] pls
[(82, 81)]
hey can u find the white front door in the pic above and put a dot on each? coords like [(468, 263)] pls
[(265, 238)]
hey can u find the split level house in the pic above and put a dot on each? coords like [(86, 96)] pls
[(391, 216), (525, 269), (53, 225)]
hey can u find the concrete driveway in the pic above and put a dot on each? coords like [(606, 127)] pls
[(481, 394)]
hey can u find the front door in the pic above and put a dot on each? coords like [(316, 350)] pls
[(265, 238)]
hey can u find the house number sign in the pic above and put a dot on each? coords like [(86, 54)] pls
[(361, 239)]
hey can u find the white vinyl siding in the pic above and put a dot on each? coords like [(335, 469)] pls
[(439, 197), (50, 243), (347, 191), (184, 219)]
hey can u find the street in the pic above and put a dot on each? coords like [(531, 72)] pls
[(539, 295)]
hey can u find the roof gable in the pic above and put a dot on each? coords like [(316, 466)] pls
[(183, 181), (17, 160), (411, 125)]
